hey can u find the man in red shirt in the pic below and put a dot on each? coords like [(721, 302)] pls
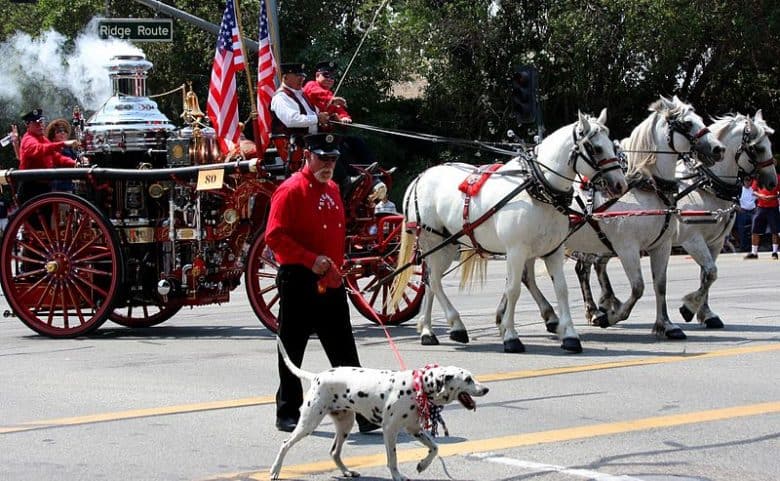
[(38, 152), (320, 93), (766, 213), (353, 149), (306, 231)]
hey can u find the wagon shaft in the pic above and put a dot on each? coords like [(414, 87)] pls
[(12, 176)]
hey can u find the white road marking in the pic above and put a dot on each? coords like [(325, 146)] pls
[(534, 468)]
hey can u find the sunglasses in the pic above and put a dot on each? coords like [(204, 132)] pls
[(326, 74), (328, 158), (60, 131)]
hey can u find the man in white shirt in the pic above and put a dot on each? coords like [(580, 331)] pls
[(293, 116), (747, 207)]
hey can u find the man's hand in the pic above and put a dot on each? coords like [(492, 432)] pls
[(73, 143), (322, 118), (321, 265)]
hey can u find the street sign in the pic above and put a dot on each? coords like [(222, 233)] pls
[(137, 29)]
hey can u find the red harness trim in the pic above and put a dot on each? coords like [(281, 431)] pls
[(471, 186)]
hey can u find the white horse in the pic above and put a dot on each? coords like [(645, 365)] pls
[(527, 222), (715, 190), (672, 129)]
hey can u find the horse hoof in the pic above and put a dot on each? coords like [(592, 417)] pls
[(686, 313), (571, 344), (713, 323), (460, 336), (552, 327), (601, 320), (513, 345), (676, 334), (429, 340)]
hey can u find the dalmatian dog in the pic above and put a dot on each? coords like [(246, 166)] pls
[(385, 397)]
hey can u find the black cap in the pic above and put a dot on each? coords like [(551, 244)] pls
[(33, 116), (296, 68), (323, 144), (326, 66)]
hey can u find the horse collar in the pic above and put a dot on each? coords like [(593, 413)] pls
[(665, 186), (542, 191), (715, 185)]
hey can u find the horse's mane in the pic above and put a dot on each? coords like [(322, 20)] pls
[(641, 144), (723, 123)]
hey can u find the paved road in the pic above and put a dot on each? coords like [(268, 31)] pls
[(192, 399)]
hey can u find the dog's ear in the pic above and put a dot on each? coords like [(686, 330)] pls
[(442, 381)]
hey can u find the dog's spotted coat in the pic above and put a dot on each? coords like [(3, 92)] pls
[(384, 397)]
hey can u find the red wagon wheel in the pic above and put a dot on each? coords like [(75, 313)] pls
[(144, 316), (372, 304), (261, 288), (60, 265)]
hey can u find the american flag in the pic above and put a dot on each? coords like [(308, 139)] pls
[(222, 106), (266, 74)]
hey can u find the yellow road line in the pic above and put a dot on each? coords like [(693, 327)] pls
[(520, 440), (256, 401), (138, 413), (507, 376)]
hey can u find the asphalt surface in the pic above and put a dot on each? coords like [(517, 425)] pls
[(192, 399)]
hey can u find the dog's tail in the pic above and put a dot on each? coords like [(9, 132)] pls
[(300, 373)]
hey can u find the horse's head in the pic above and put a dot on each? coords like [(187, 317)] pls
[(755, 150), (593, 154), (686, 130), (748, 149)]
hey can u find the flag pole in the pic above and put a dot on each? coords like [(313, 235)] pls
[(273, 27), (253, 99)]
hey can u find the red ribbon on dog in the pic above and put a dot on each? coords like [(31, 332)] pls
[(428, 413)]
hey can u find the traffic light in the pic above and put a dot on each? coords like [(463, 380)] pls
[(524, 85)]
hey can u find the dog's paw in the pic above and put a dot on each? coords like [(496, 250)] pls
[(350, 474), (274, 475)]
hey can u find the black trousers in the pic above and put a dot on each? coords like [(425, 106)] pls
[(303, 312)]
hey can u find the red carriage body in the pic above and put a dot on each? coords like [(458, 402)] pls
[(155, 224)]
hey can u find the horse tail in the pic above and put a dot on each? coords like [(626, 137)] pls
[(401, 280), (472, 266), (406, 249)]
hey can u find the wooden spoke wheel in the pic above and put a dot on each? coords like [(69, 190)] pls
[(60, 265), (261, 287), (144, 316), (372, 304)]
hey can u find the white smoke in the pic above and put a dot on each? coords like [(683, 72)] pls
[(55, 75)]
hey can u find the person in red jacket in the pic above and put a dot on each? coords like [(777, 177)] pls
[(320, 93), (766, 214), (306, 231), (353, 149), (38, 152)]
